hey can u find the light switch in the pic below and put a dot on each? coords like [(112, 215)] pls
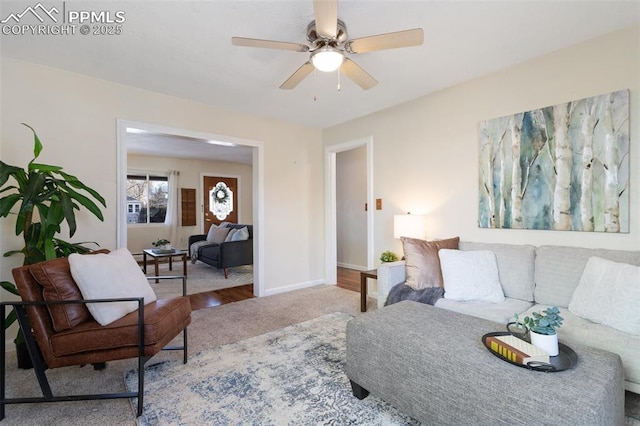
[(378, 203)]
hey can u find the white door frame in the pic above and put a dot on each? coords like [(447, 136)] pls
[(258, 189), (331, 238)]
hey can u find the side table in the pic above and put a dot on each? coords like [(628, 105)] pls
[(373, 273), (170, 255)]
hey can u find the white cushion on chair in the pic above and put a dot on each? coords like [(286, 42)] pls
[(110, 276)]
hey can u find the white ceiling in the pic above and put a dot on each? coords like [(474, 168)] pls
[(166, 145), (183, 48)]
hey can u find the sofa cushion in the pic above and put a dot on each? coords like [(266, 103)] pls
[(498, 312), (160, 318), (515, 267), (558, 270), (470, 275), (110, 276), (55, 278), (579, 331), (422, 261), (217, 234), (609, 294)]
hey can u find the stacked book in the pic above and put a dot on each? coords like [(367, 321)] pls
[(516, 350)]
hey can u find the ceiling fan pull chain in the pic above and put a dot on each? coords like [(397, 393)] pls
[(315, 84), (339, 85)]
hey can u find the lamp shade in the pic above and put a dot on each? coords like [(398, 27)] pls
[(327, 59), (409, 225)]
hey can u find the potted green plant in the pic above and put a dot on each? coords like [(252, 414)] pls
[(388, 256), (162, 243), (46, 197), (542, 329)]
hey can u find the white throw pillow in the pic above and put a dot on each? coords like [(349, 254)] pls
[(241, 235), (110, 276), (609, 294), (470, 275)]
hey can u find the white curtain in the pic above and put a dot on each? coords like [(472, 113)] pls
[(172, 216)]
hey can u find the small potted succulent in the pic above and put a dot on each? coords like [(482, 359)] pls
[(162, 244), (388, 256), (542, 329)]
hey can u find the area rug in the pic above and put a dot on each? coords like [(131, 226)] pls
[(200, 278), (291, 376)]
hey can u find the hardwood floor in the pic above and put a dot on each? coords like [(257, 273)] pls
[(347, 278), (221, 297)]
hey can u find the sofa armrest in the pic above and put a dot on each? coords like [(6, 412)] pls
[(196, 238), (389, 275)]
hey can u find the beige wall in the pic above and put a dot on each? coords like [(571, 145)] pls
[(426, 151), (351, 218), (140, 237), (76, 118)]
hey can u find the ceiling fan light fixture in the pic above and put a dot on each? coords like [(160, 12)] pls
[(327, 59)]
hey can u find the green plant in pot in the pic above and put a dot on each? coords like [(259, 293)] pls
[(162, 243), (388, 256), (542, 328), (46, 197)]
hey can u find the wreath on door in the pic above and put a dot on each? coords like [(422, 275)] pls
[(221, 193)]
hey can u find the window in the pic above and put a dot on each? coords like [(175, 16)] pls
[(147, 197)]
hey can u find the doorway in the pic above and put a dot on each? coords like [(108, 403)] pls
[(331, 190), (257, 162)]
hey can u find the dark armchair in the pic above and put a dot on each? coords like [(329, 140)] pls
[(62, 333), (225, 255)]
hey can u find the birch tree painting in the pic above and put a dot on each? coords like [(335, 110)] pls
[(564, 167)]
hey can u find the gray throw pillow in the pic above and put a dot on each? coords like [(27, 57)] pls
[(217, 235)]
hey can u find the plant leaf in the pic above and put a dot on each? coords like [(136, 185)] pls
[(7, 203), (37, 145), (49, 250), (11, 318), (10, 287), (45, 168), (86, 202)]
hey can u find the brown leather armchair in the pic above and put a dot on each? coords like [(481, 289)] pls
[(59, 330)]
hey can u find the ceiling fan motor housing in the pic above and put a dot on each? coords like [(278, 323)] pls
[(317, 41)]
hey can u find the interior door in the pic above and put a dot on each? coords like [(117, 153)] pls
[(212, 185)]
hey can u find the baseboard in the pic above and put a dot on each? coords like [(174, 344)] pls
[(349, 266), (298, 286)]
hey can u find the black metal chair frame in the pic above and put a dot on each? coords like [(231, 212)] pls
[(40, 366)]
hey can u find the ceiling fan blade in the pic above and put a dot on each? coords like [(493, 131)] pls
[(298, 76), (414, 37), (326, 14), (281, 45), (357, 74)]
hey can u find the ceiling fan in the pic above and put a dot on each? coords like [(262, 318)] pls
[(329, 44)]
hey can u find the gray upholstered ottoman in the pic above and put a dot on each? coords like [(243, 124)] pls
[(431, 364)]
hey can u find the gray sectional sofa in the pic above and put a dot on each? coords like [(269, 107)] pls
[(534, 278)]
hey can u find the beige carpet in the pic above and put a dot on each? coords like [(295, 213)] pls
[(200, 278), (210, 328)]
